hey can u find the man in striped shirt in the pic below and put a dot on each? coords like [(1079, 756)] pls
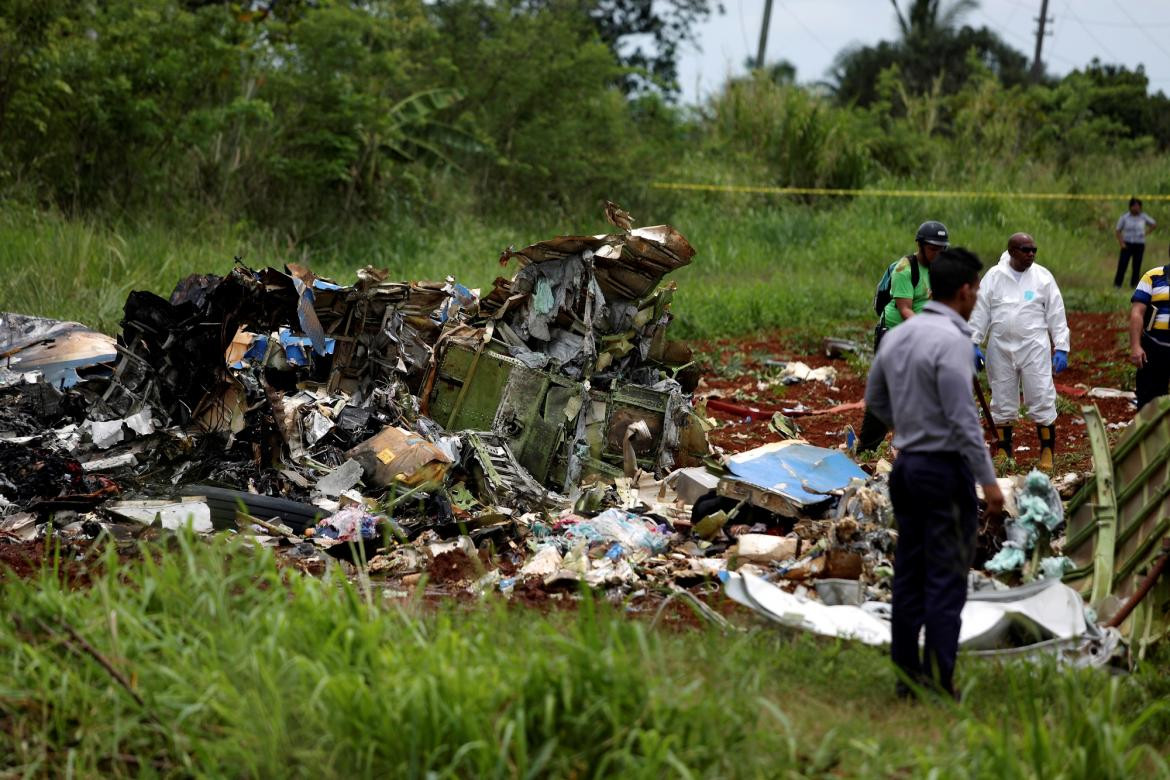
[(1149, 335)]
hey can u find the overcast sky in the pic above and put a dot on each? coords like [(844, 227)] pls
[(809, 33)]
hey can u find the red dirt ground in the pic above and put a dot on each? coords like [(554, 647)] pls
[(1098, 358)]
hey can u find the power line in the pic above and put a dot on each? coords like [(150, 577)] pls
[(1095, 39), (743, 29), (1068, 14), (806, 28), (1020, 41), (1123, 26), (1102, 22), (1060, 20), (1144, 31)]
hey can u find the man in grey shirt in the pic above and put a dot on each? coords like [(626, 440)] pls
[(1131, 231), (921, 385)]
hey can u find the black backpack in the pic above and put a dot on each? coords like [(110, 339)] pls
[(882, 297)]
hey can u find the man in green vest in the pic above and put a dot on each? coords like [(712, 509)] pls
[(909, 292)]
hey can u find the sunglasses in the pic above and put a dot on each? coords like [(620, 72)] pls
[(1030, 250)]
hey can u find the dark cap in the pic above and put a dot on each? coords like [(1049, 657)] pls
[(935, 233)]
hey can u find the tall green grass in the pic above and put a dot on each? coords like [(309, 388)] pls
[(247, 670), (762, 262)]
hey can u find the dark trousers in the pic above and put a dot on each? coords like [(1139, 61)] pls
[(936, 512), (1153, 379), (873, 431), (1129, 252)]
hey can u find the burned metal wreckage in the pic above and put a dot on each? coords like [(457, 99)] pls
[(543, 432), (276, 380)]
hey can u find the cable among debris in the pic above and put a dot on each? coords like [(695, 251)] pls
[(702, 609)]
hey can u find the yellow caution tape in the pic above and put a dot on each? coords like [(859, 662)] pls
[(879, 193)]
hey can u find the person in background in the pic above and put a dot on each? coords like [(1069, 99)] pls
[(1149, 334), (926, 366), (909, 292), (1020, 312), (1131, 231)]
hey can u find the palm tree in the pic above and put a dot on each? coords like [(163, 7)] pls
[(932, 44), (924, 19)]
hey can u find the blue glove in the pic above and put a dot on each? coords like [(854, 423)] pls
[(980, 360), (1059, 361)]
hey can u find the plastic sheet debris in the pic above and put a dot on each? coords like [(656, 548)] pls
[(797, 372), (616, 525), (1110, 392), (545, 563)]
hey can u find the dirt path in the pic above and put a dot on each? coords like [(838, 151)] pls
[(738, 370)]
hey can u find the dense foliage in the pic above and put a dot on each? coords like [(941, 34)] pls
[(311, 114)]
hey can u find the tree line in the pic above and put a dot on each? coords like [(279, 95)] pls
[(310, 113)]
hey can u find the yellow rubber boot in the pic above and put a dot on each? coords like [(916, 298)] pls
[(1003, 440), (1047, 434)]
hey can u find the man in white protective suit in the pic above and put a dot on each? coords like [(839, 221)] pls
[(1020, 313)]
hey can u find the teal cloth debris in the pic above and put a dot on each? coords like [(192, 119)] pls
[(1039, 507), (1055, 567), (543, 300), (1010, 558)]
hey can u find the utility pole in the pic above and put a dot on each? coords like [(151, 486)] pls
[(764, 33), (1037, 66)]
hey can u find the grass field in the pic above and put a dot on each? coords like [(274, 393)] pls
[(233, 667), (761, 263)]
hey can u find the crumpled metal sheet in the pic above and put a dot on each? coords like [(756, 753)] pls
[(53, 349), (628, 265), (1045, 616), (801, 473)]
